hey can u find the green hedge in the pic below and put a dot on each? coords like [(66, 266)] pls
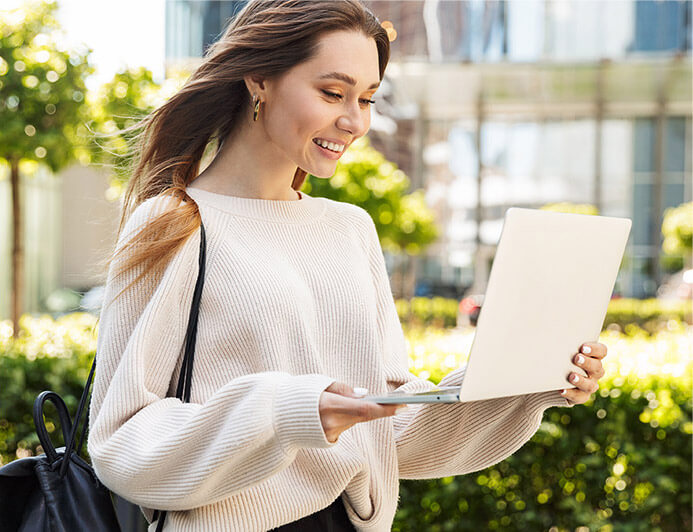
[(596, 465), (436, 311), (620, 462), (51, 355), (649, 314)]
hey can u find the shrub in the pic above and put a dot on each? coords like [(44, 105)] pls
[(435, 311), (49, 355), (650, 314), (619, 462)]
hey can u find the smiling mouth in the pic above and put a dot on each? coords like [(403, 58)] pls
[(327, 148)]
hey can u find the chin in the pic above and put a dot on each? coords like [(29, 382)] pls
[(321, 175)]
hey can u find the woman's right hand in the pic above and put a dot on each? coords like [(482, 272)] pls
[(341, 408)]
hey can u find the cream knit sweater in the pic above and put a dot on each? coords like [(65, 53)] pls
[(296, 296)]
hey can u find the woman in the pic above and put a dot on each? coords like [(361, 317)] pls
[(296, 311)]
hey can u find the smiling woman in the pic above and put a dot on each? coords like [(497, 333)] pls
[(296, 319)]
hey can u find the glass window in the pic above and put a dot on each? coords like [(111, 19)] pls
[(688, 154), (41, 199), (215, 17), (463, 156), (526, 30), (643, 286), (643, 144), (574, 30), (642, 213), (192, 25), (617, 162), (675, 144), (567, 158), (662, 25), (521, 155), (674, 191)]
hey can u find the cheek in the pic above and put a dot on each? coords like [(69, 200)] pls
[(310, 119), (298, 121)]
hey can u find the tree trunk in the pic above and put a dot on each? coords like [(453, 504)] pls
[(401, 275), (17, 287), (411, 268)]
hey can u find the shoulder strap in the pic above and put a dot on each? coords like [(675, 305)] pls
[(185, 378)]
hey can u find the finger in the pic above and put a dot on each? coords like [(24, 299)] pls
[(342, 388), (353, 410), (585, 384), (592, 366), (574, 396), (593, 349), (569, 395), (368, 411)]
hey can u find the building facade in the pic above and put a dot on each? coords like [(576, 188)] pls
[(492, 104)]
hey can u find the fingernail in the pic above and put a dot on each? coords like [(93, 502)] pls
[(360, 391), (586, 349), (580, 359), (574, 378), (564, 392), (401, 409)]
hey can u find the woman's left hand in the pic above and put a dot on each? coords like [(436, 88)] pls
[(589, 359)]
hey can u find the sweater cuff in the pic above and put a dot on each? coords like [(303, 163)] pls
[(297, 411), (538, 402)]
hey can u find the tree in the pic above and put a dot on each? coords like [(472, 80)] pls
[(42, 109), (120, 104), (677, 229)]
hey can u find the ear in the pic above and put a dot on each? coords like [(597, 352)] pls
[(256, 85)]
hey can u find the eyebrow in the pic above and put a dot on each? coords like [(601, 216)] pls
[(346, 78)]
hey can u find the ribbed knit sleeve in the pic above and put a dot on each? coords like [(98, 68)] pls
[(159, 452), (435, 440)]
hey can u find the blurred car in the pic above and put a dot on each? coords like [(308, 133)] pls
[(428, 288), (468, 310), (678, 285)]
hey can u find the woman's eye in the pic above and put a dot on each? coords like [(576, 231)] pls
[(334, 95)]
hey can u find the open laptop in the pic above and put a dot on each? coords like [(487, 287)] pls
[(548, 292)]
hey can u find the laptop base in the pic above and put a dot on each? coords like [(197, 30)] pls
[(441, 394)]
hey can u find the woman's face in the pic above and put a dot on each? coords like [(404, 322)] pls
[(308, 103)]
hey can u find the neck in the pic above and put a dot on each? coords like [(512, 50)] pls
[(248, 165)]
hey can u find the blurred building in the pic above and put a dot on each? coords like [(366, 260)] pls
[(583, 102), (69, 228), (486, 105)]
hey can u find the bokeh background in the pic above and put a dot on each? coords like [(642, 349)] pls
[(575, 106)]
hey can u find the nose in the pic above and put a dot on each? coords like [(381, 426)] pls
[(354, 120)]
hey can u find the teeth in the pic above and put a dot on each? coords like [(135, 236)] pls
[(329, 145)]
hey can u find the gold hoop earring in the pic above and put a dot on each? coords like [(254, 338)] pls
[(257, 108)]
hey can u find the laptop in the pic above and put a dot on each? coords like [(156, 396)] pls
[(548, 292)]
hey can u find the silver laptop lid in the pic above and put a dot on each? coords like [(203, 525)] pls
[(549, 288)]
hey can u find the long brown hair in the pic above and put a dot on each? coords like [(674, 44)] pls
[(267, 37)]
